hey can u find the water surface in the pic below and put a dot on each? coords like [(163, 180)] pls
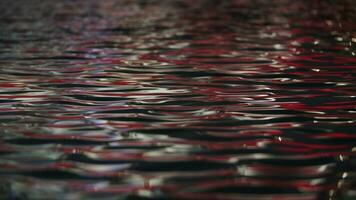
[(178, 99)]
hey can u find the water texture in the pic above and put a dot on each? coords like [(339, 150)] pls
[(178, 99)]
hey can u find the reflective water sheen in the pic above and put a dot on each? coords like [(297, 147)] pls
[(178, 99)]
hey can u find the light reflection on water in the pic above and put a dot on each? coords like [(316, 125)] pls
[(177, 99)]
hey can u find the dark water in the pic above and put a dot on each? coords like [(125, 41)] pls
[(234, 99)]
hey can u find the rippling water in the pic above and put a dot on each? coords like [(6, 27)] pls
[(178, 99)]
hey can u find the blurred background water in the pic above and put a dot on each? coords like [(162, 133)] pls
[(178, 99)]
